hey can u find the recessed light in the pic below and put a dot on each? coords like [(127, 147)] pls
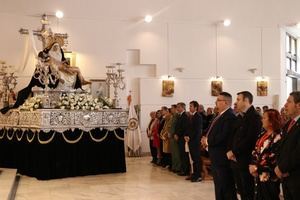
[(148, 18), (227, 22), (59, 14)]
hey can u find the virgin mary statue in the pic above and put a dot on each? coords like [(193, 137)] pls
[(60, 74)]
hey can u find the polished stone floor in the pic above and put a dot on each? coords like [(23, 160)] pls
[(141, 181), (7, 177)]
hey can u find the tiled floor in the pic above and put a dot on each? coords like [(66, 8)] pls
[(141, 181), (7, 177)]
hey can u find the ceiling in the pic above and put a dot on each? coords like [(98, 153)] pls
[(241, 12)]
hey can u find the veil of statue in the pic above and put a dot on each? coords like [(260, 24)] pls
[(52, 70)]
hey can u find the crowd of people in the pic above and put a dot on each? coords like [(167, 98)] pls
[(252, 150)]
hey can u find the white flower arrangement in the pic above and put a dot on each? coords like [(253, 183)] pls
[(71, 101), (79, 102), (107, 102), (32, 103)]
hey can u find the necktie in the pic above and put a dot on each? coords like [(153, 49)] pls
[(212, 124), (292, 123)]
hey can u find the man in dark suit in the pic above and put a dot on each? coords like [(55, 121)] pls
[(180, 129), (192, 136), (248, 127), (217, 139), (288, 168)]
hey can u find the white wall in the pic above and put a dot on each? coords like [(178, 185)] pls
[(192, 46)]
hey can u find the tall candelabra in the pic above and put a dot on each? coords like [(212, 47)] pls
[(115, 78), (8, 82)]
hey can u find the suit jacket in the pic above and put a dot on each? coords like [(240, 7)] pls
[(245, 136), (218, 138), (289, 154), (181, 124), (204, 121), (194, 129)]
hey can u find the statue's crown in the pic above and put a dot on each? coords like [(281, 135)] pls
[(56, 38)]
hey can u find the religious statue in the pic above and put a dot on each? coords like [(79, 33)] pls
[(54, 56), (52, 71)]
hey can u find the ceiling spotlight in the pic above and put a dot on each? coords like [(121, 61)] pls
[(59, 14), (227, 22), (148, 18)]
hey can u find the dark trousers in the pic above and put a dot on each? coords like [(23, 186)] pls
[(197, 161), (267, 190), (224, 183), (163, 155), (291, 191), (153, 151), (244, 182), (167, 160), (185, 163)]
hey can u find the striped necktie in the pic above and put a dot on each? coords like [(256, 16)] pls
[(212, 124)]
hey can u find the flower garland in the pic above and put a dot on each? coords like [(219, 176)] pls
[(107, 102), (32, 103), (74, 101), (70, 101)]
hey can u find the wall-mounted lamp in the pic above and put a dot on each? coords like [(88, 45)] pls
[(252, 70), (217, 81), (179, 69), (262, 81)]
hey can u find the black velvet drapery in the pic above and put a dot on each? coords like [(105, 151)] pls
[(59, 158)]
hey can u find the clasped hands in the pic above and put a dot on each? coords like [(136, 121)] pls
[(279, 174), (204, 142), (231, 156), (187, 138)]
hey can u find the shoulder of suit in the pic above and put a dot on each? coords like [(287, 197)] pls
[(252, 112), (198, 116), (228, 113)]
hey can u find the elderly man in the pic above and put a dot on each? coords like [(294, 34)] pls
[(219, 132)]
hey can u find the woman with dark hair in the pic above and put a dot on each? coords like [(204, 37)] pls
[(264, 157)]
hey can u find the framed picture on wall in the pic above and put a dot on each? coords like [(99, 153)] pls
[(262, 88), (216, 88), (99, 88), (167, 88), (70, 57)]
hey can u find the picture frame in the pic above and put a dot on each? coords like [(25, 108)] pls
[(168, 88), (70, 57), (262, 88), (216, 88), (99, 88)]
